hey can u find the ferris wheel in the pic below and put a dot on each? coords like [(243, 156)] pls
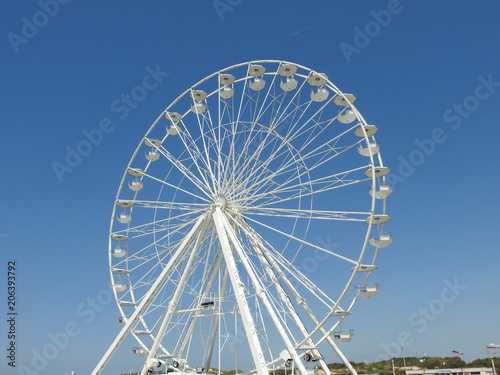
[(220, 247)]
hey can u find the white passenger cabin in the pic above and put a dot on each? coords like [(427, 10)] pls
[(120, 287), (382, 191), (118, 252), (372, 147), (320, 95), (139, 351), (347, 116), (152, 155), (367, 291), (381, 240), (288, 85), (343, 336), (135, 185), (124, 218)]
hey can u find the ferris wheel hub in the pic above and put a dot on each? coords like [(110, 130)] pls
[(221, 202)]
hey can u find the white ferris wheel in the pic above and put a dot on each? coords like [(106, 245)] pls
[(220, 247)]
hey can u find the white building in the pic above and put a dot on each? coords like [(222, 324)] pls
[(454, 371)]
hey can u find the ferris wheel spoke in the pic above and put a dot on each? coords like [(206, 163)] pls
[(258, 287), (219, 140), (330, 149), (285, 139), (182, 265), (143, 258), (181, 206), (150, 270), (246, 143), (253, 182), (192, 147), (306, 214), (297, 107), (321, 324), (194, 154), (202, 185), (218, 308), (328, 154), (267, 132), (173, 224), (175, 298), (234, 124), (303, 241), (149, 276), (275, 274), (264, 180), (240, 294), (299, 277), (267, 177), (259, 173), (245, 149), (317, 186), (262, 131), (279, 263), (317, 128), (325, 146), (275, 197), (176, 188), (205, 122), (255, 117), (145, 301), (270, 98), (304, 127), (221, 161), (216, 325), (202, 299)]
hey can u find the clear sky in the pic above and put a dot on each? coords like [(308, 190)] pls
[(426, 73)]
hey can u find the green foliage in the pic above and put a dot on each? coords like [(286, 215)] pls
[(336, 366), (385, 367), (378, 365), (485, 362)]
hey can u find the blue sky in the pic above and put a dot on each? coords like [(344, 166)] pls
[(426, 73)]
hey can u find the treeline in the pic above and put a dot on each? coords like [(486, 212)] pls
[(385, 367)]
